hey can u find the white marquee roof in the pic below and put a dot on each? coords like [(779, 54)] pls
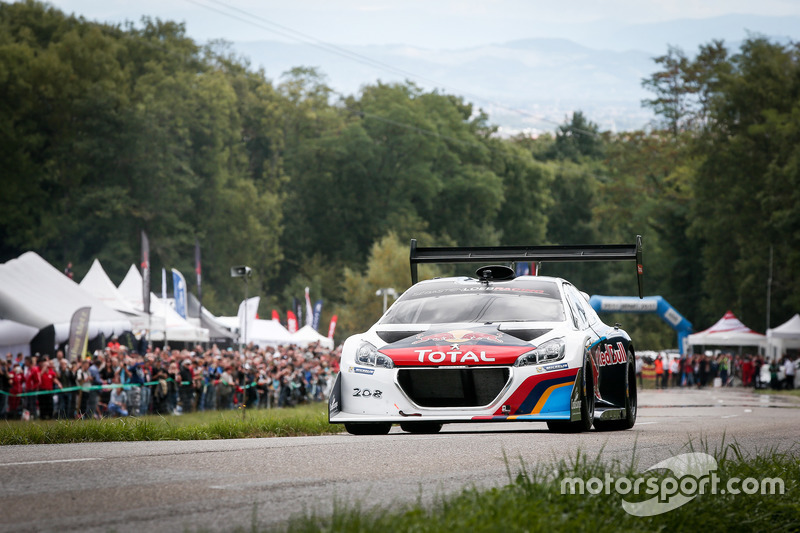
[(177, 328), (34, 293)]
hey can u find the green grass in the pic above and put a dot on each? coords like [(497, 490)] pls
[(288, 422), (532, 501)]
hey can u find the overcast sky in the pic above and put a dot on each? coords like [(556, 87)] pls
[(423, 23)]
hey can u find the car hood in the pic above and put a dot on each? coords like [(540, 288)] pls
[(458, 345)]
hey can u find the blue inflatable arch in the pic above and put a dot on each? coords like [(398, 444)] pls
[(648, 304)]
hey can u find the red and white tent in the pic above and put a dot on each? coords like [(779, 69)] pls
[(728, 331)]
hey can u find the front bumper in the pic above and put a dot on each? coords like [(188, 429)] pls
[(453, 394)]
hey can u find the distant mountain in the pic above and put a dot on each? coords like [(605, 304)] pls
[(532, 83), (689, 34), (548, 78)]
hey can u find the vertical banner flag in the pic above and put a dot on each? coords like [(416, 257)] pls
[(523, 269), (179, 291), (291, 322), (309, 310), (298, 310), (198, 270), (247, 316), (332, 327), (145, 273), (78, 334), (164, 302), (275, 316), (317, 313)]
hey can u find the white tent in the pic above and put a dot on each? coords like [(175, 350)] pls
[(269, 333), (202, 317), (35, 294), (787, 335), (99, 285), (259, 332), (728, 331), (308, 335), (177, 329), (16, 337)]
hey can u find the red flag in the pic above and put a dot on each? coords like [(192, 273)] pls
[(145, 264), (332, 327), (275, 316), (291, 321), (198, 270)]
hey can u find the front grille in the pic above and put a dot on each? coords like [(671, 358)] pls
[(452, 387)]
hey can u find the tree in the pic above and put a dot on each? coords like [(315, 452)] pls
[(387, 267), (577, 140), (684, 87), (746, 184)]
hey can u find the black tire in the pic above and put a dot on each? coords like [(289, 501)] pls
[(587, 407), (368, 428), (631, 406), (421, 427)]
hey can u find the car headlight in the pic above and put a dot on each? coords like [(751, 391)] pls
[(368, 355), (547, 352)]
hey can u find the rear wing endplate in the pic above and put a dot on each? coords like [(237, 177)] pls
[(545, 254)]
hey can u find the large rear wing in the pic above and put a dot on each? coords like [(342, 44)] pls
[(544, 254)]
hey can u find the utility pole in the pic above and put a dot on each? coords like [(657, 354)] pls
[(769, 288), (243, 272), (386, 292)]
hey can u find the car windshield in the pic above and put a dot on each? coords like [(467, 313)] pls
[(439, 303)]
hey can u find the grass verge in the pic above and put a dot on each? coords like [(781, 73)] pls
[(302, 420), (533, 501)]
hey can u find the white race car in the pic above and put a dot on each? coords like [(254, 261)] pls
[(491, 348)]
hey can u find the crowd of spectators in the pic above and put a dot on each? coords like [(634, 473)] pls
[(723, 369), (120, 382)]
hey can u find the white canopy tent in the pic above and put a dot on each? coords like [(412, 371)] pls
[(176, 328), (269, 333), (33, 293), (308, 335), (259, 332), (787, 335), (99, 285), (202, 317), (15, 337), (728, 331)]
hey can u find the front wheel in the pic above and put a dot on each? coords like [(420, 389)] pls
[(630, 406), (586, 393), (368, 428)]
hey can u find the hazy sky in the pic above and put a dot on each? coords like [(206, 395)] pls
[(424, 23)]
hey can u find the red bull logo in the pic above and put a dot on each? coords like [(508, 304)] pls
[(612, 356), (459, 336)]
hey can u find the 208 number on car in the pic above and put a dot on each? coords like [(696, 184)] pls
[(366, 393)]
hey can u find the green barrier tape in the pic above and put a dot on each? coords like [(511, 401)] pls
[(98, 387)]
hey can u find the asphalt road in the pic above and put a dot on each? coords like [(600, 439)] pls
[(222, 485)]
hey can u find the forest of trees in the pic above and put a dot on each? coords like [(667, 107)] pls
[(106, 131)]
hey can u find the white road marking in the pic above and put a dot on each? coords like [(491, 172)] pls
[(645, 423), (52, 461), (730, 416)]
